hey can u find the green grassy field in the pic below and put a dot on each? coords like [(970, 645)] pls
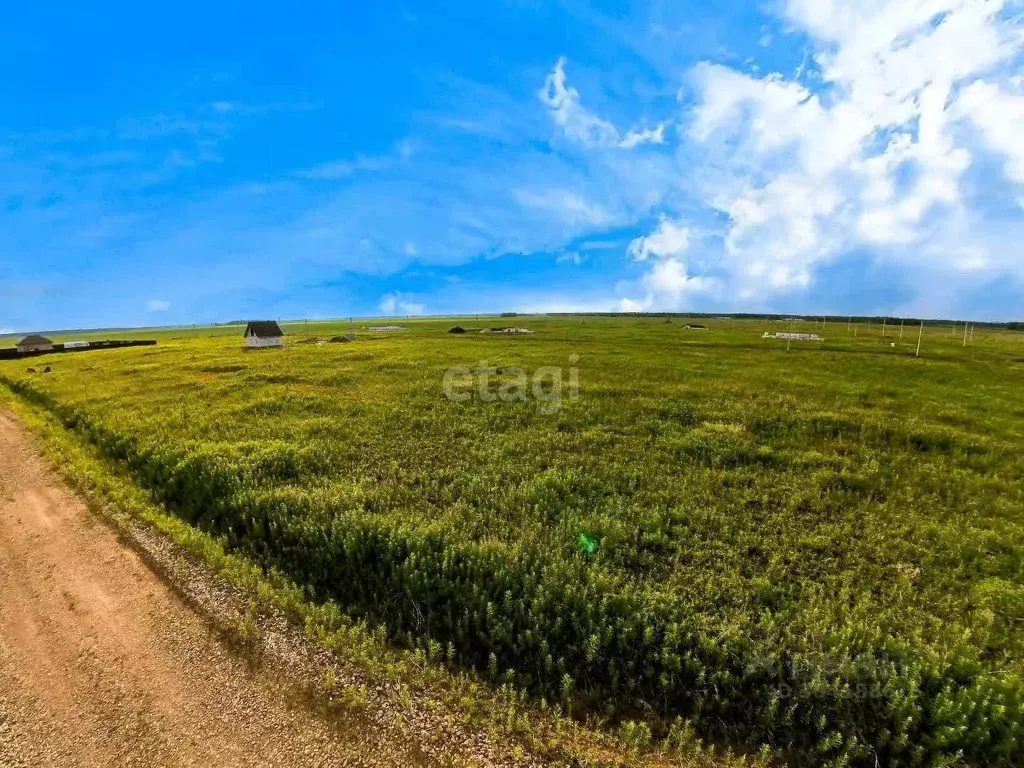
[(820, 548)]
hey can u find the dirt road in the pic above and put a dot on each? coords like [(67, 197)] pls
[(102, 665)]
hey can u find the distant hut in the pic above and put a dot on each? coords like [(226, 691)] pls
[(792, 336), (264, 333), (35, 344)]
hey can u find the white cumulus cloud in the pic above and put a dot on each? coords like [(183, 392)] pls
[(999, 115), (669, 239), (875, 156), (667, 283), (668, 278)]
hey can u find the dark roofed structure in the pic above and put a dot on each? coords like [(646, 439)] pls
[(35, 343), (263, 328), (35, 339), (264, 333)]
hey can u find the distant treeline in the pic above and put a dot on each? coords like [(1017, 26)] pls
[(1012, 326)]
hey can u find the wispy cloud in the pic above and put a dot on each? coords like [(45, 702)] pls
[(570, 206), (333, 170), (341, 169), (582, 125), (601, 245), (162, 125), (156, 305), (400, 304), (572, 257), (224, 107)]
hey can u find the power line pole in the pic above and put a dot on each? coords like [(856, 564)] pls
[(901, 327), (965, 334), (919, 332), (883, 327)]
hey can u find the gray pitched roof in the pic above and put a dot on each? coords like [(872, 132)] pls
[(263, 329), (34, 339)]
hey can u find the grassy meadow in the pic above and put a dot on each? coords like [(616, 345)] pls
[(818, 548)]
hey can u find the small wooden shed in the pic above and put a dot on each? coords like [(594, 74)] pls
[(264, 333)]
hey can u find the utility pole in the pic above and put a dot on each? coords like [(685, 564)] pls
[(919, 332), (883, 327), (965, 334), (901, 327), (972, 332)]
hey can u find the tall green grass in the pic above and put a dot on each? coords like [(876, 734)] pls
[(819, 549)]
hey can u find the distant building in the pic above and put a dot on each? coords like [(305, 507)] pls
[(264, 333), (792, 336), (35, 344)]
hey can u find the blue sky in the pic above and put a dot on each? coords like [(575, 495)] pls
[(212, 161)]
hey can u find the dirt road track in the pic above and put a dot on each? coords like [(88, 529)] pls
[(102, 665)]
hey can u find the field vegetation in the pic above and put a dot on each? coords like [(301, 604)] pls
[(819, 549)]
